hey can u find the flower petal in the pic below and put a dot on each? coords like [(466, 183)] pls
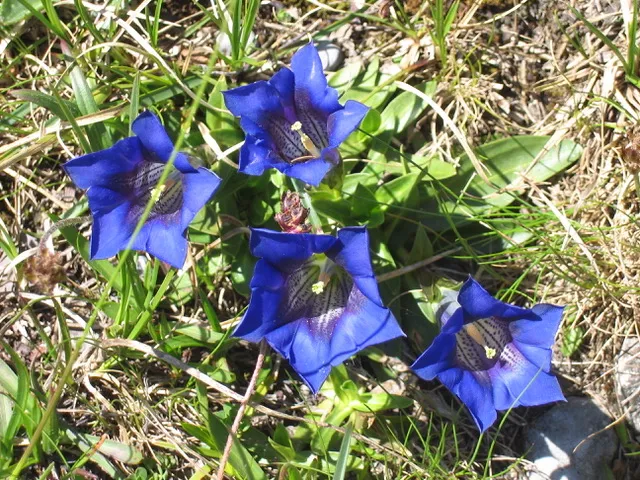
[(344, 121), (437, 358), (287, 250), (364, 323), (256, 157), (478, 303), (99, 168), (474, 390), (311, 171), (111, 231), (312, 351), (254, 101), (540, 357), (351, 251), (447, 306), (266, 296), (540, 331), (198, 188), (311, 83), (102, 200), (517, 381), (284, 82), (155, 140), (167, 241), (308, 354)]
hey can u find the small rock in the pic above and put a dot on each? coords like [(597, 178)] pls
[(223, 43), (330, 55), (628, 380), (553, 437)]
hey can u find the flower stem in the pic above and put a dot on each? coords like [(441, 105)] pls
[(65, 222), (243, 406), (299, 186)]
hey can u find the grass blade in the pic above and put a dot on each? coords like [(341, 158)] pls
[(99, 138), (135, 101), (345, 448)]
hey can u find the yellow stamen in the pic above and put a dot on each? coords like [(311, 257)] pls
[(306, 141), (490, 352), (318, 287), (158, 191)]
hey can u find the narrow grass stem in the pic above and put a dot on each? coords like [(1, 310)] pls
[(243, 406), (65, 222), (415, 266), (636, 181), (306, 199)]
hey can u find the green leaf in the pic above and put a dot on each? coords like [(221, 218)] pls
[(98, 135), (111, 448), (419, 307), (221, 122), (345, 448), (365, 209), (405, 109), (359, 140), (506, 161), (14, 11), (242, 271), (509, 158), (134, 107), (47, 101), (397, 192), (181, 289), (345, 77), (7, 243), (330, 204), (572, 340), (433, 168), (199, 333), (240, 458), (27, 411), (377, 402), (368, 87), (8, 384), (422, 247)]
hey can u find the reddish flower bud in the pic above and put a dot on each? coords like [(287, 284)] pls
[(292, 214)]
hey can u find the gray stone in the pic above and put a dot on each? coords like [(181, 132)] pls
[(628, 380), (554, 436), (330, 55), (223, 42)]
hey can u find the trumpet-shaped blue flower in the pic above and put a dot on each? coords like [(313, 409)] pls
[(293, 122), (121, 180), (315, 299), (493, 355)]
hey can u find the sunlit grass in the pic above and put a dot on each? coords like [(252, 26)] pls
[(120, 64)]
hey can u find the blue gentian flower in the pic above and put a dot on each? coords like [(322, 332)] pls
[(294, 121), (120, 181), (493, 355), (315, 299)]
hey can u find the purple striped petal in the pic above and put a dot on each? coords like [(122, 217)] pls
[(121, 182), (494, 356), (308, 307)]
